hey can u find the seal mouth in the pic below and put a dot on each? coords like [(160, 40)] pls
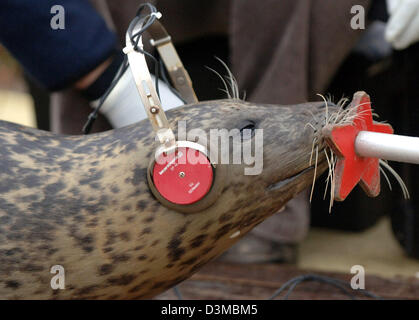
[(280, 184)]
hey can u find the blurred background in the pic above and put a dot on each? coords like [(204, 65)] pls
[(17, 104)]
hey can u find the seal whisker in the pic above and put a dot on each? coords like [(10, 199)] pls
[(327, 108), (314, 117), (128, 243), (332, 183), (226, 90), (232, 82), (328, 175), (346, 115), (331, 161), (310, 125), (315, 173), (312, 151)]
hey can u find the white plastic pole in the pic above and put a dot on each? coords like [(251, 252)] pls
[(387, 146)]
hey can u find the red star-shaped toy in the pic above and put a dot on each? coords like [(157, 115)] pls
[(351, 168)]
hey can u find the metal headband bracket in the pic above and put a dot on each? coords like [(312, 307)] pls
[(178, 74)]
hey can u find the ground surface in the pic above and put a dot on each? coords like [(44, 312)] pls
[(232, 281), (389, 272)]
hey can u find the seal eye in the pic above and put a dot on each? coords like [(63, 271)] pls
[(247, 130)]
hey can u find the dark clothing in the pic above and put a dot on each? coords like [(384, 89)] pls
[(55, 58)]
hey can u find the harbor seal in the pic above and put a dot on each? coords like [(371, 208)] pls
[(83, 202)]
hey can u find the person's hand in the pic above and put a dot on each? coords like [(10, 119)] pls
[(123, 106), (403, 26)]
